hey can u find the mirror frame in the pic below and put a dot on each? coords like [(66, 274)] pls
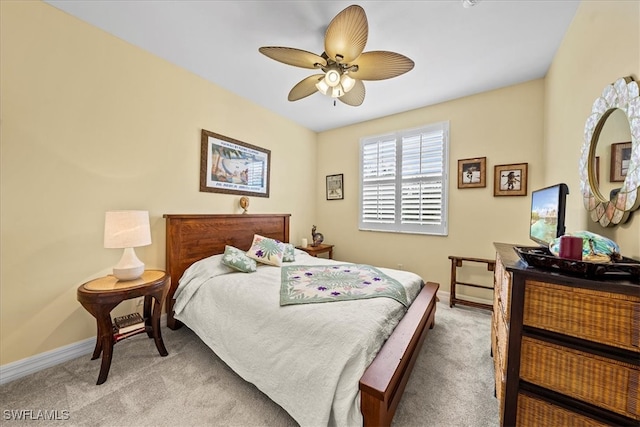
[(623, 95)]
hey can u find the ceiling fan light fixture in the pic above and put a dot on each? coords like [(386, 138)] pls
[(332, 78), (331, 84), (337, 91), (347, 83), (343, 62), (322, 86)]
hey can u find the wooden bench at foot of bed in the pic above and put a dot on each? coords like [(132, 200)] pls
[(192, 237)]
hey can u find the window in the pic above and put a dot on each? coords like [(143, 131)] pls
[(403, 181)]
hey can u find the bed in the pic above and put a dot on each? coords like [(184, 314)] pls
[(192, 238)]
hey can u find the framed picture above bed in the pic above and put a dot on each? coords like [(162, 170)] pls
[(233, 167)]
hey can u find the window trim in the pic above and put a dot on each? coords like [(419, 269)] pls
[(441, 229)]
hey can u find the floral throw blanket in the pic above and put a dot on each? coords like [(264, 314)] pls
[(304, 284)]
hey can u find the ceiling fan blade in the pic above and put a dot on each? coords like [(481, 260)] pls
[(381, 65), (347, 35), (305, 87), (292, 56), (355, 96)]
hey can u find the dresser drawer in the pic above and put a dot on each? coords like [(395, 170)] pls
[(607, 318), (602, 382), (533, 412)]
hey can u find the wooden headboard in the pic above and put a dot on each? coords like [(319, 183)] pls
[(192, 237)]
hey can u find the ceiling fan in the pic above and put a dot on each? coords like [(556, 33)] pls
[(343, 63)]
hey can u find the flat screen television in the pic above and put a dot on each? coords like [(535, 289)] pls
[(548, 207)]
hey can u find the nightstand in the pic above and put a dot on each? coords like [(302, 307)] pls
[(316, 250), (102, 295)]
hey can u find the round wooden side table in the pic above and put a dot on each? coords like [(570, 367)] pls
[(102, 295)]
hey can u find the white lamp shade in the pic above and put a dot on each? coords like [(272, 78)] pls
[(332, 78), (126, 229), (347, 83), (322, 86), (337, 92)]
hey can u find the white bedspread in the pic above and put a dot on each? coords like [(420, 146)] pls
[(307, 358)]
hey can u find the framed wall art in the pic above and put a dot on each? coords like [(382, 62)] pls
[(472, 173), (510, 180), (620, 157), (335, 189), (233, 167)]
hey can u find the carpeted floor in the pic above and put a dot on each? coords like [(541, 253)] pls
[(451, 385)]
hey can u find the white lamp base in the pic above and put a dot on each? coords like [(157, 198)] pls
[(129, 267)]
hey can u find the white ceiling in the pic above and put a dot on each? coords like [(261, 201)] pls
[(457, 51)]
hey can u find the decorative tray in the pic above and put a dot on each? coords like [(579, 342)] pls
[(541, 257)]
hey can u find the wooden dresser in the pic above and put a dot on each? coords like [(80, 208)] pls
[(566, 349)]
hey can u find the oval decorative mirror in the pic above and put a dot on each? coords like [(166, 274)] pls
[(612, 208)]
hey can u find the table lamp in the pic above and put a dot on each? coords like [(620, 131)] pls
[(127, 230)]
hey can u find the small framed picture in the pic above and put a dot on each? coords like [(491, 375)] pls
[(620, 158), (510, 180), (335, 190), (472, 173)]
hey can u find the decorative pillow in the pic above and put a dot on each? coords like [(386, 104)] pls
[(238, 260), (266, 251), (289, 253)]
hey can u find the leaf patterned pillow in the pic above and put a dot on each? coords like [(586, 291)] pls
[(289, 253), (267, 251), (238, 260)]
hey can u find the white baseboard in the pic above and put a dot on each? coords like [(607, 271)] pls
[(444, 296), (30, 365), (21, 368)]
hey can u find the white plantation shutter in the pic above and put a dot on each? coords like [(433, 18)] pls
[(378, 181), (404, 181)]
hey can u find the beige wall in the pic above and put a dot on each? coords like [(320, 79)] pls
[(90, 123), (602, 45), (505, 126)]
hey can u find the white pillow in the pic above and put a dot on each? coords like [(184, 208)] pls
[(267, 251)]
